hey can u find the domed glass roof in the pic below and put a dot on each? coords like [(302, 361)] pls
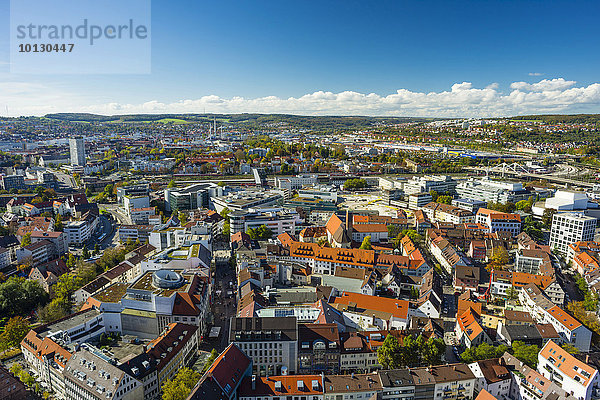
[(166, 279)]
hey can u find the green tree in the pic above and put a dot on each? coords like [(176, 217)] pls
[(209, 361), (96, 249), (414, 293), (444, 199), (499, 258), (570, 348), (482, 352), (58, 224), (226, 228), (523, 205), (409, 354), (20, 296), (85, 253), (366, 243), (388, 355), (393, 230), (181, 385), (71, 261), (526, 353), (26, 378), (171, 184), (14, 331), (182, 218), (54, 310), (260, 233), (353, 184), (225, 213), (413, 235), (323, 242), (16, 369), (432, 350), (26, 241), (547, 217), (590, 300)]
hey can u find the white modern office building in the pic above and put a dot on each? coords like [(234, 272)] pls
[(278, 220), (77, 151), (295, 182), (569, 228), (420, 184), (492, 191)]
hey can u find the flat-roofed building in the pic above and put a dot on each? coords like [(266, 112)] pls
[(569, 228), (270, 342)]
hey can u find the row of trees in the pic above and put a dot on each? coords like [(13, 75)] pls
[(410, 351), (483, 352), (81, 274), (417, 238), (587, 318), (354, 184), (260, 233), (28, 380), (523, 352), (441, 198), (181, 385), (590, 300)]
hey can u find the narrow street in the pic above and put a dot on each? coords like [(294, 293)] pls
[(224, 306)]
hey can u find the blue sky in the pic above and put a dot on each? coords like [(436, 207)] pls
[(290, 49)]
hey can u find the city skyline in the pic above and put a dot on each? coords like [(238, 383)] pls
[(434, 59)]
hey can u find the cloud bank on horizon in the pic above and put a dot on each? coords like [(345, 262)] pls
[(462, 100)]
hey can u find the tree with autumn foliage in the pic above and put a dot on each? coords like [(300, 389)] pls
[(499, 259), (14, 331)]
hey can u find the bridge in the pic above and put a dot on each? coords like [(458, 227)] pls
[(518, 170)]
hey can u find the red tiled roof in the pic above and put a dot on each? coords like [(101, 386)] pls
[(396, 307), (229, 367)]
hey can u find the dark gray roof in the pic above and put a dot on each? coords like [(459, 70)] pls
[(249, 329), (9, 241), (204, 255), (521, 332), (395, 378)]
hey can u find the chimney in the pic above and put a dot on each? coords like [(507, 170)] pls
[(253, 382)]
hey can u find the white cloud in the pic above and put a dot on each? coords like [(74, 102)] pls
[(535, 74), (556, 84), (462, 100)]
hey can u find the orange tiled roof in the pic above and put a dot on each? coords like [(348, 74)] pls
[(521, 279), (567, 364), (564, 318), (357, 257), (396, 307), (469, 325), (290, 385), (366, 228), (41, 348)]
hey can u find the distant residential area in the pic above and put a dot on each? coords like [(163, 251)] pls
[(215, 258)]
